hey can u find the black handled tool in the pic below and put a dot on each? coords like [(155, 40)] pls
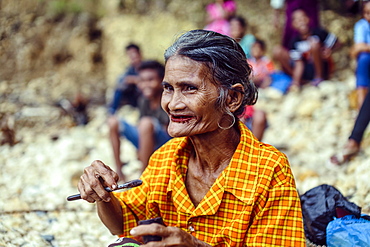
[(129, 184)]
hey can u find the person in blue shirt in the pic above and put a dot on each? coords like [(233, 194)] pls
[(126, 91), (361, 51), (151, 130), (238, 31)]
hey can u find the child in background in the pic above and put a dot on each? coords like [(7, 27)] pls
[(218, 16), (255, 119), (238, 31), (309, 56), (361, 51), (262, 66)]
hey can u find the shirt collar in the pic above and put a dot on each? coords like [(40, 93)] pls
[(239, 177)]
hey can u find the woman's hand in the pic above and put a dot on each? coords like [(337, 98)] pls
[(171, 236), (95, 178)]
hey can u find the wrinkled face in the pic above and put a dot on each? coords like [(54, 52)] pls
[(236, 29), (366, 11), (300, 21), (189, 98), (150, 84), (257, 50), (134, 56)]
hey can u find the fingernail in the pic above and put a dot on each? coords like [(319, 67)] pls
[(114, 186), (108, 199), (132, 232)]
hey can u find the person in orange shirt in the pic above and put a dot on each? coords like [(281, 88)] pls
[(213, 183)]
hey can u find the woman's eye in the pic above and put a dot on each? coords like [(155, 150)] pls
[(167, 87), (191, 88)]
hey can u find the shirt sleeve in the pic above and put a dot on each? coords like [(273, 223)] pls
[(278, 220), (359, 31), (328, 39), (133, 204), (294, 52), (279, 223)]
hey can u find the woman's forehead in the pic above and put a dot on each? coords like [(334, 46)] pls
[(182, 64), (182, 68)]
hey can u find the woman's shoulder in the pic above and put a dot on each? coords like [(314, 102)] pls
[(162, 160), (168, 149), (264, 152)]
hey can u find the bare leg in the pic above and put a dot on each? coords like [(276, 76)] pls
[(361, 94), (317, 59), (281, 55), (259, 123), (146, 140), (297, 73), (114, 138)]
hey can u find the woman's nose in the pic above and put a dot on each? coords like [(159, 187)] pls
[(176, 101)]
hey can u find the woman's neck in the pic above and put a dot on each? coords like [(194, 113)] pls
[(213, 151)]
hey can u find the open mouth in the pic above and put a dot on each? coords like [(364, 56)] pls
[(180, 118)]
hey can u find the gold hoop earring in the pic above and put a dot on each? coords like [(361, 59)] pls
[(232, 124)]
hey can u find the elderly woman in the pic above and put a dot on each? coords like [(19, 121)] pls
[(214, 183)]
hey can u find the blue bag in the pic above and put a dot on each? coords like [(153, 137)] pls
[(348, 231), (280, 81)]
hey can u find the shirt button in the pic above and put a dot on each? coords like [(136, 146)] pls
[(191, 228)]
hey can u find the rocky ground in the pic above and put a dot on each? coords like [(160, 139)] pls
[(46, 59)]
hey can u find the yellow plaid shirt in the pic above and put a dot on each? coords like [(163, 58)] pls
[(254, 201)]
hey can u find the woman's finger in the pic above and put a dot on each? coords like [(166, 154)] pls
[(109, 177), (97, 191), (152, 229), (84, 194)]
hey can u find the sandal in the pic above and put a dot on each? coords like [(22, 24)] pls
[(344, 156), (316, 81)]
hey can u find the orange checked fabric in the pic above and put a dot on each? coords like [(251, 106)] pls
[(254, 201)]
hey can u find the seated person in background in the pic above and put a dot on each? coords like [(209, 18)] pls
[(214, 183), (262, 66), (238, 31), (151, 131), (309, 57), (218, 15), (361, 51), (126, 91), (310, 7)]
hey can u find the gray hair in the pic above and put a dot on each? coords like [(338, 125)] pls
[(224, 58)]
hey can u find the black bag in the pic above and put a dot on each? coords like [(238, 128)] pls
[(319, 206)]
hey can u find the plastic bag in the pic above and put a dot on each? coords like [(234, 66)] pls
[(127, 242), (319, 207), (348, 231)]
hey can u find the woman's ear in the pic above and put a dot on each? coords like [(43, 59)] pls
[(235, 97)]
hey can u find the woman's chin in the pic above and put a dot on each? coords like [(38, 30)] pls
[(177, 131)]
